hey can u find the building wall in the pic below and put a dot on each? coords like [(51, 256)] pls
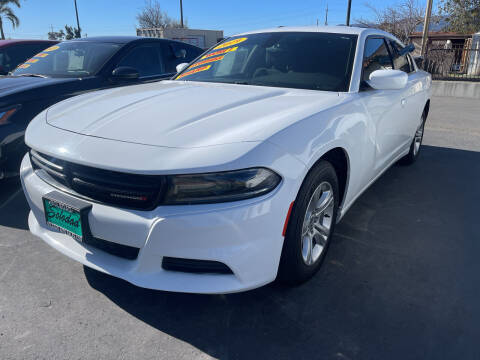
[(197, 37)]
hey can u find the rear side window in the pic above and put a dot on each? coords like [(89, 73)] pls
[(400, 62), (375, 57), (176, 53), (145, 59)]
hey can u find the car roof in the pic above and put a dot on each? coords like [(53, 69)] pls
[(117, 39), (25, 41), (350, 30)]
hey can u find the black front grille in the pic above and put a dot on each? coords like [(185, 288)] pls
[(123, 251), (195, 266), (104, 186)]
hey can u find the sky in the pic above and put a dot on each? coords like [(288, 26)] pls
[(109, 17)]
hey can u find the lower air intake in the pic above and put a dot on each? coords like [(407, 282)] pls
[(195, 266)]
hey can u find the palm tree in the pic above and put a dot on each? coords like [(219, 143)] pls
[(6, 12)]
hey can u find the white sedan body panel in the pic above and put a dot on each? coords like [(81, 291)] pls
[(178, 127)]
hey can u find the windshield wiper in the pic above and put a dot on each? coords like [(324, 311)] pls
[(241, 83), (34, 75)]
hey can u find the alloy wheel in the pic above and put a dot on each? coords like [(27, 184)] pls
[(317, 223)]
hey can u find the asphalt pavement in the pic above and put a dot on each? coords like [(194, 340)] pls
[(400, 281)]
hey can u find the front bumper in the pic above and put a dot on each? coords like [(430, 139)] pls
[(246, 236)]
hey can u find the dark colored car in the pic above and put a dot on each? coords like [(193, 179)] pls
[(74, 67), (15, 52)]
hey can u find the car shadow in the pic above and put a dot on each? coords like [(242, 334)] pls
[(400, 280), (14, 207)]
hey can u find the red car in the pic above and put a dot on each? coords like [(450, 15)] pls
[(15, 52)]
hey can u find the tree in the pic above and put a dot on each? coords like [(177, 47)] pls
[(6, 12), (72, 32), (69, 34), (462, 16), (56, 35), (400, 20), (152, 16)]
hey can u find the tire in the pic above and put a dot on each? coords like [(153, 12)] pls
[(416, 144), (296, 265)]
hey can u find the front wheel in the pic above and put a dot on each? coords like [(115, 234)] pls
[(311, 225), (416, 144)]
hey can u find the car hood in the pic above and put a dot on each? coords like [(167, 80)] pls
[(188, 114), (15, 84)]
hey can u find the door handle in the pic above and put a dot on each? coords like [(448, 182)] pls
[(403, 101)]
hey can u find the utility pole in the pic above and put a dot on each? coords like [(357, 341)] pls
[(181, 13), (78, 22), (348, 11), (426, 26), (326, 15)]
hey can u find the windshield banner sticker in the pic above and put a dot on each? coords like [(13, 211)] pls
[(23, 66), (32, 61), (52, 48), (219, 52), (194, 71), (230, 43), (41, 55), (203, 62)]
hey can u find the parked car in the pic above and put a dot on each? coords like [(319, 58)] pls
[(74, 67), (236, 171), (15, 52)]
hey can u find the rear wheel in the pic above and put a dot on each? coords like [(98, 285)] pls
[(311, 225), (416, 144)]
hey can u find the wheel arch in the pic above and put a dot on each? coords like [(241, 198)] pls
[(426, 109), (338, 157)]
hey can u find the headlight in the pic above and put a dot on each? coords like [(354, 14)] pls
[(220, 187), (5, 114)]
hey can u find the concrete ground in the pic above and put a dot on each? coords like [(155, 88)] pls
[(401, 280)]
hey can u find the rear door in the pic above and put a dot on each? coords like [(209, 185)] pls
[(385, 107)]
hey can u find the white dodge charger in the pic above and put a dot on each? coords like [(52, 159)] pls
[(236, 171)]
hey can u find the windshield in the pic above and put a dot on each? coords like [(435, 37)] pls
[(69, 59), (315, 61)]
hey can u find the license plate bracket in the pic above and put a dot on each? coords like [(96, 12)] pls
[(67, 215)]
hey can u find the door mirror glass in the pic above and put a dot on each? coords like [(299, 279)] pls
[(388, 79), (125, 73), (181, 67)]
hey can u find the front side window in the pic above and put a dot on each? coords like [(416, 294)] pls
[(314, 61), (375, 57), (69, 59), (400, 62), (145, 59)]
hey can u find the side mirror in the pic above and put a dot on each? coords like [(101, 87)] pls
[(388, 79), (125, 73), (181, 67)]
